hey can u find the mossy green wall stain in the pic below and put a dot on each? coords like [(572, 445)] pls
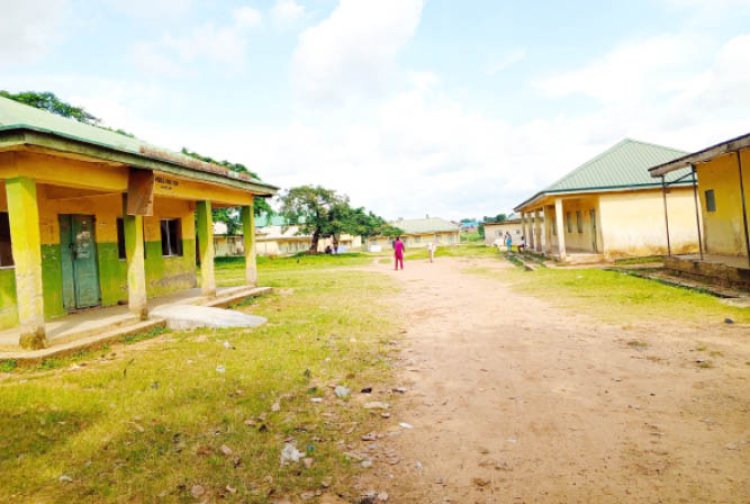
[(165, 275), (8, 309), (52, 281), (113, 275)]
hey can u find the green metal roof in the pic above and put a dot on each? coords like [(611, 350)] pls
[(266, 220), (15, 116), (623, 166), (423, 226)]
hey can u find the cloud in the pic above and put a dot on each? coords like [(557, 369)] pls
[(498, 64), (152, 10), (353, 51), (226, 44), (626, 74), (30, 29), (287, 12)]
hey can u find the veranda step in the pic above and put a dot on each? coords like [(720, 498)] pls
[(236, 297), (27, 357)]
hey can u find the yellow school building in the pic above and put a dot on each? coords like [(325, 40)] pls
[(90, 217), (722, 195), (610, 207)]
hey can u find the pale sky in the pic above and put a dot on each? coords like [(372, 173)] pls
[(453, 108)]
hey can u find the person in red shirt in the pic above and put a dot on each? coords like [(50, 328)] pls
[(398, 252)]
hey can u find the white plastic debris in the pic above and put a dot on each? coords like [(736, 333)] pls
[(342, 391), (405, 425), (290, 453), (221, 369)]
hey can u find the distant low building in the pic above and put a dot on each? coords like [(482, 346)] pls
[(494, 232), (419, 232), (469, 226), (276, 237)]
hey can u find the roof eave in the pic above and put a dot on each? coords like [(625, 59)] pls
[(701, 156), (22, 135), (589, 190)]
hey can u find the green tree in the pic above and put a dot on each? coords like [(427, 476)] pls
[(319, 212), (48, 101), (500, 218)]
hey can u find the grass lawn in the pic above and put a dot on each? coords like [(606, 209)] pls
[(617, 297), (181, 414), (465, 250)]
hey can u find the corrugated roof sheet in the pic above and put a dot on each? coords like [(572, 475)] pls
[(15, 115), (421, 226), (625, 164), (265, 220)]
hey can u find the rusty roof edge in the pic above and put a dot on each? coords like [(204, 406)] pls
[(218, 176), (701, 156)]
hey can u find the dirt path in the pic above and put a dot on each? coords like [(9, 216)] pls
[(512, 400)]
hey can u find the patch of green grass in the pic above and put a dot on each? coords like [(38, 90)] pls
[(464, 250), (51, 363), (150, 420), (6, 366), (230, 270), (638, 260), (638, 344), (471, 237), (621, 298), (142, 336)]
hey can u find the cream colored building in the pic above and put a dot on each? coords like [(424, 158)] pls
[(274, 237), (722, 204), (494, 232), (610, 207), (419, 232)]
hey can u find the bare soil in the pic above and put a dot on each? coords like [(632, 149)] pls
[(514, 400)]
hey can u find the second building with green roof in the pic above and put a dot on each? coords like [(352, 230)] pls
[(610, 207)]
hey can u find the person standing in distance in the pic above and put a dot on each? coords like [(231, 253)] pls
[(398, 252)]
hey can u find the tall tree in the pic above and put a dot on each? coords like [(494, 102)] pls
[(319, 212)]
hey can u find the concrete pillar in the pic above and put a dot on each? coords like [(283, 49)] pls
[(539, 233), (206, 247), (136, 263), (26, 245), (248, 234), (559, 216), (531, 237), (547, 230)]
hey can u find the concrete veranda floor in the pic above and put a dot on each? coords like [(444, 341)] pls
[(85, 323)]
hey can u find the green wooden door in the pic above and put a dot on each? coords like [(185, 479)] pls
[(79, 262)]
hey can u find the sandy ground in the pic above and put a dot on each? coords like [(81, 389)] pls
[(514, 400)]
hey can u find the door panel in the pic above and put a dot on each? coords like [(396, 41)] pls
[(80, 261), (66, 252)]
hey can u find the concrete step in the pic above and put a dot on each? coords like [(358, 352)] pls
[(90, 328), (237, 296), (26, 357)]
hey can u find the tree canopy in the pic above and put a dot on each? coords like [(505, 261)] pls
[(323, 213), (48, 101)]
